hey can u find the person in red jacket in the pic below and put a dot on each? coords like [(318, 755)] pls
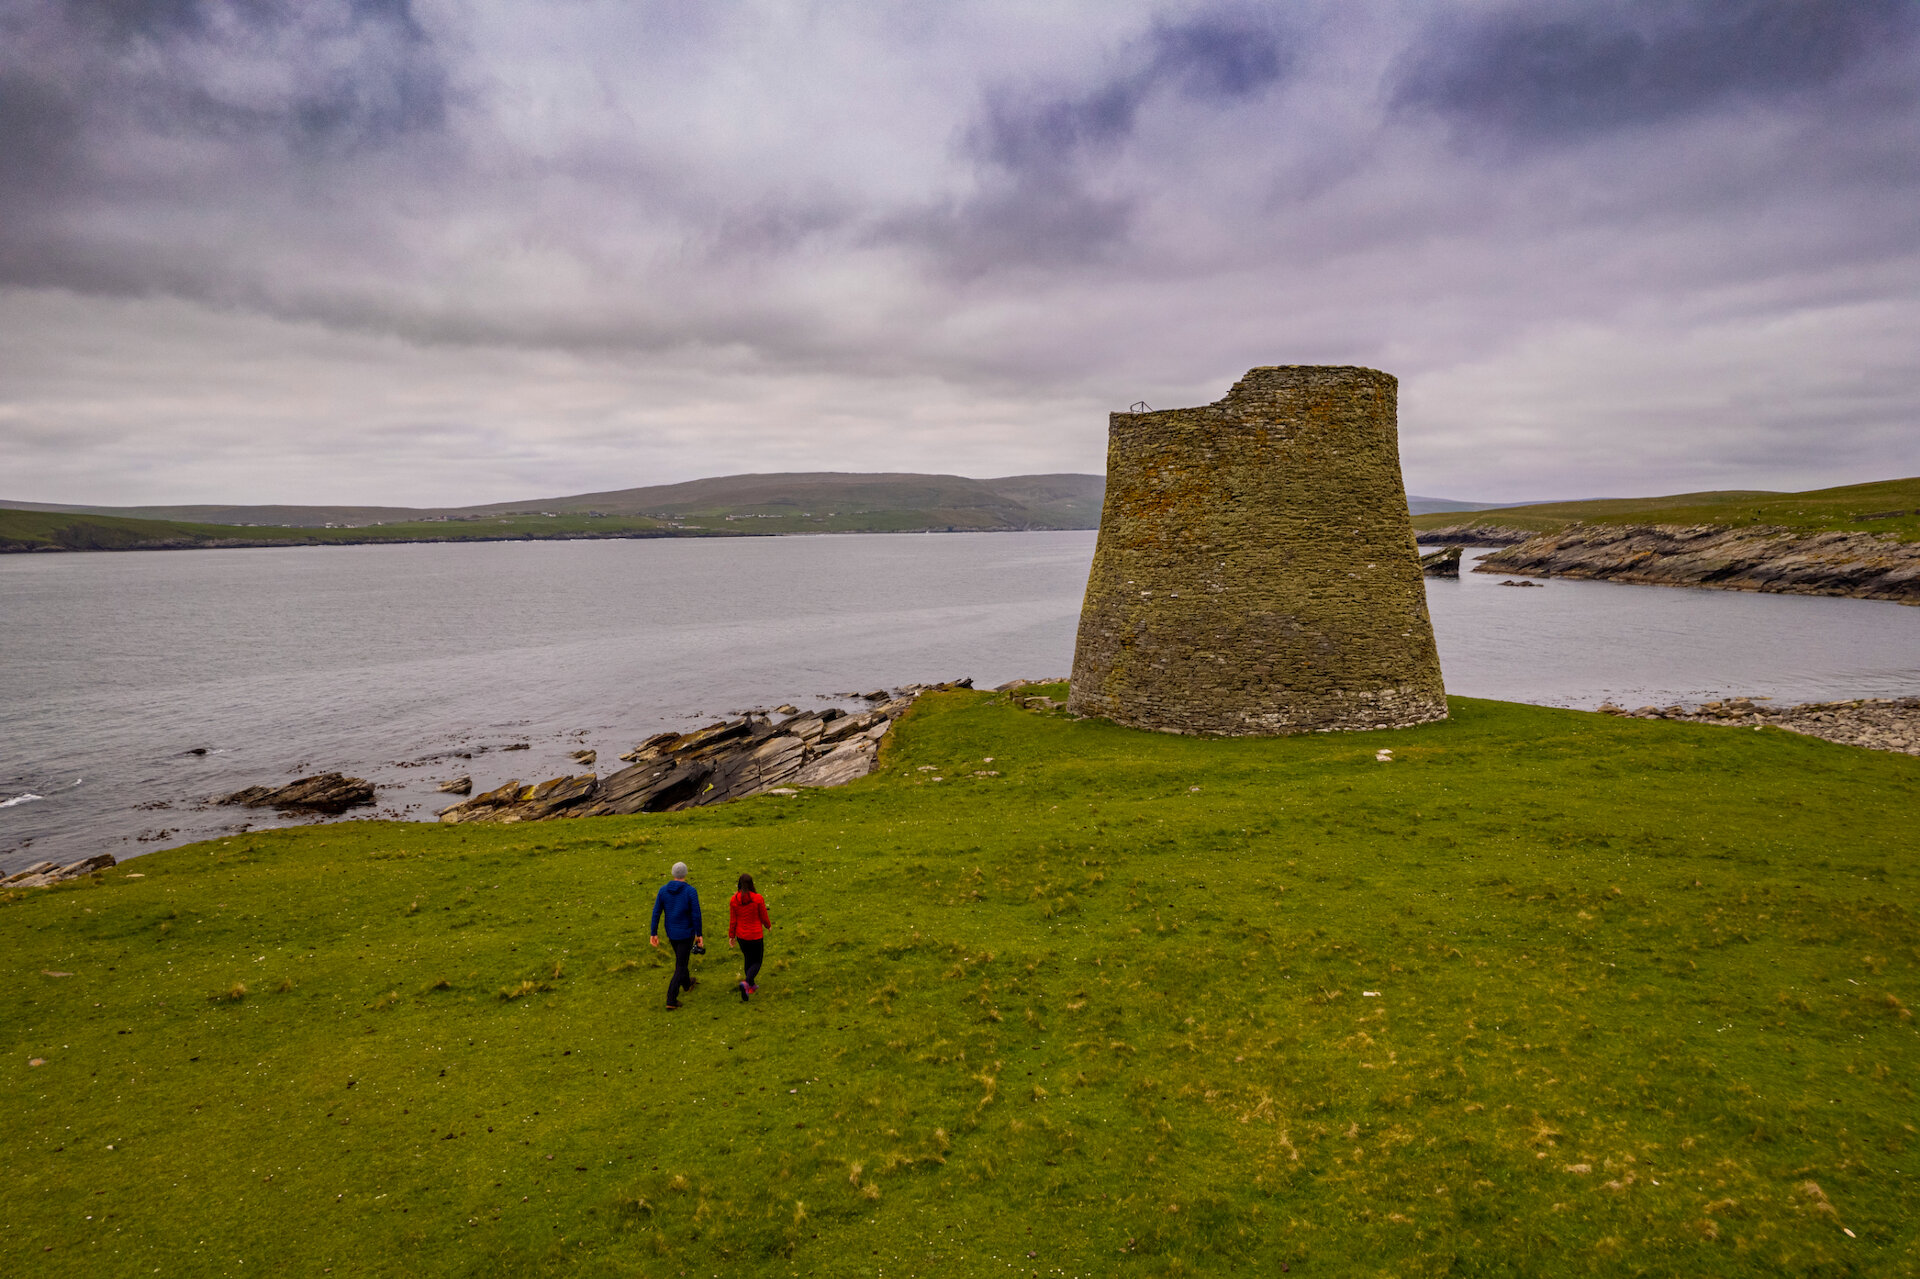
[(747, 922)]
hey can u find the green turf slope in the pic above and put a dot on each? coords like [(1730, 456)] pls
[(1889, 507), (1549, 993)]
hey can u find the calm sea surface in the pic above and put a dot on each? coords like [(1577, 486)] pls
[(386, 662)]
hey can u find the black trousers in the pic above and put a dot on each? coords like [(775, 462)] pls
[(681, 979), (753, 952)]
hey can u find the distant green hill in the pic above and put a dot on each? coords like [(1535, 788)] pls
[(826, 502), (1884, 506), (787, 502), (817, 495), (833, 501), (823, 501), (852, 502)]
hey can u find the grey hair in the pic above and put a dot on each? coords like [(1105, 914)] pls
[(679, 870)]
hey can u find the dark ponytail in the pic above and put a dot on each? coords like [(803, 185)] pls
[(746, 886)]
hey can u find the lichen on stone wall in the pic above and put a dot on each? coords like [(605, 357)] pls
[(1256, 571)]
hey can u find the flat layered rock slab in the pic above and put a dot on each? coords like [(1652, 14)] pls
[(321, 793), (655, 786), (839, 766)]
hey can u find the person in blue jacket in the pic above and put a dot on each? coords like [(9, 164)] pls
[(679, 902)]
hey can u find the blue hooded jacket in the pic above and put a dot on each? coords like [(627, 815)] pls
[(680, 903)]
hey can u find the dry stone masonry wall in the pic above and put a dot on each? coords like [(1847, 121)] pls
[(1256, 571)]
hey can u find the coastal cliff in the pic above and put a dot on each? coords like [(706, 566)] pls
[(1754, 558)]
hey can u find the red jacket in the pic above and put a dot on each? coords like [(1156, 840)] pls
[(747, 918)]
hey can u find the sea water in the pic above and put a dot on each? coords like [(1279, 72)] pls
[(135, 686)]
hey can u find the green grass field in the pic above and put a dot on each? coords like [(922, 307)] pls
[(1549, 993), (1891, 507)]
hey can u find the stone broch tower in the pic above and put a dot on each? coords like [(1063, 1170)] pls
[(1256, 571)]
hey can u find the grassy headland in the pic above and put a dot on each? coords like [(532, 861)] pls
[(1548, 993), (1890, 507), (61, 531)]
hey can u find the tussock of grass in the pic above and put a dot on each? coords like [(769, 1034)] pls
[(1553, 994)]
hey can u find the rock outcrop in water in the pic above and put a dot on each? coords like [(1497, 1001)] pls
[(321, 793), (1782, 561), (1444, 562), (732, 759)]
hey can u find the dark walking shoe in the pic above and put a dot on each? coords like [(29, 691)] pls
[(673, 1008), (744, 990)]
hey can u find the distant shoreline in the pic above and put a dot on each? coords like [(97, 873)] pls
[(227, 544), (222, 544)]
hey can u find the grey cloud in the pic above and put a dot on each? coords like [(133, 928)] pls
[(88, 86), (1218, 57), (325, 76), (1048, 220), (140, 19), (1538, 73), (132, 130), (40, 133), (1032, 148)]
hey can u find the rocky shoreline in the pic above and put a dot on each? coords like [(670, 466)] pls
[(1876, 723), (750, 755), (1759, 558), (754, 754)]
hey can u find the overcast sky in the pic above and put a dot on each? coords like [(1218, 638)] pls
[(436, 252)]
